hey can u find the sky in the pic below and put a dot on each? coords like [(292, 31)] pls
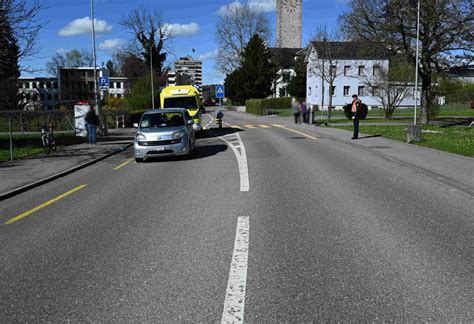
[(193, 24)]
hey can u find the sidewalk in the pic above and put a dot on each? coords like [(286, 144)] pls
[(20, 175)]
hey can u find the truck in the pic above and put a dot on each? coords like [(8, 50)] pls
[(187, 97)]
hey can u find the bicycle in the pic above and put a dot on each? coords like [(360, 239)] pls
[(47, 140)]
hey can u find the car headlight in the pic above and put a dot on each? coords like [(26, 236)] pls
[(178, 135), (141, 137)]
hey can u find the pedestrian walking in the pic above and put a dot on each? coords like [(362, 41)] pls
[(92, 121), (296, 110), (305, 110), (355, 112)]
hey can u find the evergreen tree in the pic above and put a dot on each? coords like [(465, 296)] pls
[(9, 68), (253, 80), (297, 85)]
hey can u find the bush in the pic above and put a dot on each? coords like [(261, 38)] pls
[(254, 106), (262, 106)]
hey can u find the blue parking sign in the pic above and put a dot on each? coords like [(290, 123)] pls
[(220, 92), (104, 83)]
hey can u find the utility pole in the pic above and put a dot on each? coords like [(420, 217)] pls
[(151, 76), (96, 88)]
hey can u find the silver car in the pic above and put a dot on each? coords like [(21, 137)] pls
[(164, 132)]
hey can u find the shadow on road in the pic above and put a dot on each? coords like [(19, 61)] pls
[(201, 152), (218, 132), (370, 136)]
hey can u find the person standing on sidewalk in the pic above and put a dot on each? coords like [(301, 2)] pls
[(355, 111), (92, 121), (296, 110)]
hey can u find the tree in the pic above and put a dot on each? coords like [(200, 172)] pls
[(139, 97), (253, 80), (327, 61), (71, 59), (150, 35), (234, 29), (391, 85), (297, 85), (445, 34), (110, 65), (9, 68), (22, 16)]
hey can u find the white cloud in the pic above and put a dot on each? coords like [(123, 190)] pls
[(112, 45), (83, 26), (209, 55), (182, 30), (263, 5)]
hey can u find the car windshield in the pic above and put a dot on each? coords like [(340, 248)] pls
[(161, 120), (180, 102)]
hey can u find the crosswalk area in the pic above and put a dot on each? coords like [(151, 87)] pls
[(253, 126)]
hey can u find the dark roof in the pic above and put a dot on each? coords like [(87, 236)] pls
[(284, 57), (350, 51)]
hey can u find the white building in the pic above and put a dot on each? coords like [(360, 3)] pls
[(118, 86), (39, 93), (352, 64), (285, 59), (187, 68)]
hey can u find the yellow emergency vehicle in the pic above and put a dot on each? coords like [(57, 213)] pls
[(183, 97)]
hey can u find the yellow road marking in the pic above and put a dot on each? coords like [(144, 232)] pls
[(46, 204), (250, 126), (264, 126), (295, 131), (118, 167), (236, 126)]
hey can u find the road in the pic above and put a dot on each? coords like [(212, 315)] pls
[(268, 222)]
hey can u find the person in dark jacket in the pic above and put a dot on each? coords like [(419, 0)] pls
[(92, 121), (355, 112)]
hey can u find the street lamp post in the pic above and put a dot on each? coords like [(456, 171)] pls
[(96, 93), (151, 76)]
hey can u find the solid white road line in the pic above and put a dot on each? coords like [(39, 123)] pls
[(241, 159), (235, 298)]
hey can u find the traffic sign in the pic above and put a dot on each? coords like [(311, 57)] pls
[(104, 83), (220, 92)]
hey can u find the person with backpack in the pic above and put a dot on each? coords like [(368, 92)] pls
[(92, 121), (355, 113)]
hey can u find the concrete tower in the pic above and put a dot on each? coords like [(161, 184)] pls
[(289, 23)]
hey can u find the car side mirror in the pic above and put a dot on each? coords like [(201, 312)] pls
[(135, 125), (190, 122)]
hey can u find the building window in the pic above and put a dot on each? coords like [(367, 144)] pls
[(376, 70), (309, 91), (333, 91), (332, 70), (285, 77), (119, 85), (27, 85), (361, 69), (347, 91), (347, 70), (361, 91), (119, 95), (282, 92), (35, 85), (91, 85), (112, 85)]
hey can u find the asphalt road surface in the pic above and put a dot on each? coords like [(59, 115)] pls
[(268, 222)]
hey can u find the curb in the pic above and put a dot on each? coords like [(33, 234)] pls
[(36, 184)]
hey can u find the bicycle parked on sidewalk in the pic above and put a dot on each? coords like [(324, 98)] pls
[(47, 139)]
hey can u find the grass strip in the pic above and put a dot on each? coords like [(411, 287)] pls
[(19, 153), (455, 139)]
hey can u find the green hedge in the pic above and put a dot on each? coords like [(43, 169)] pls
[(262, 106)]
